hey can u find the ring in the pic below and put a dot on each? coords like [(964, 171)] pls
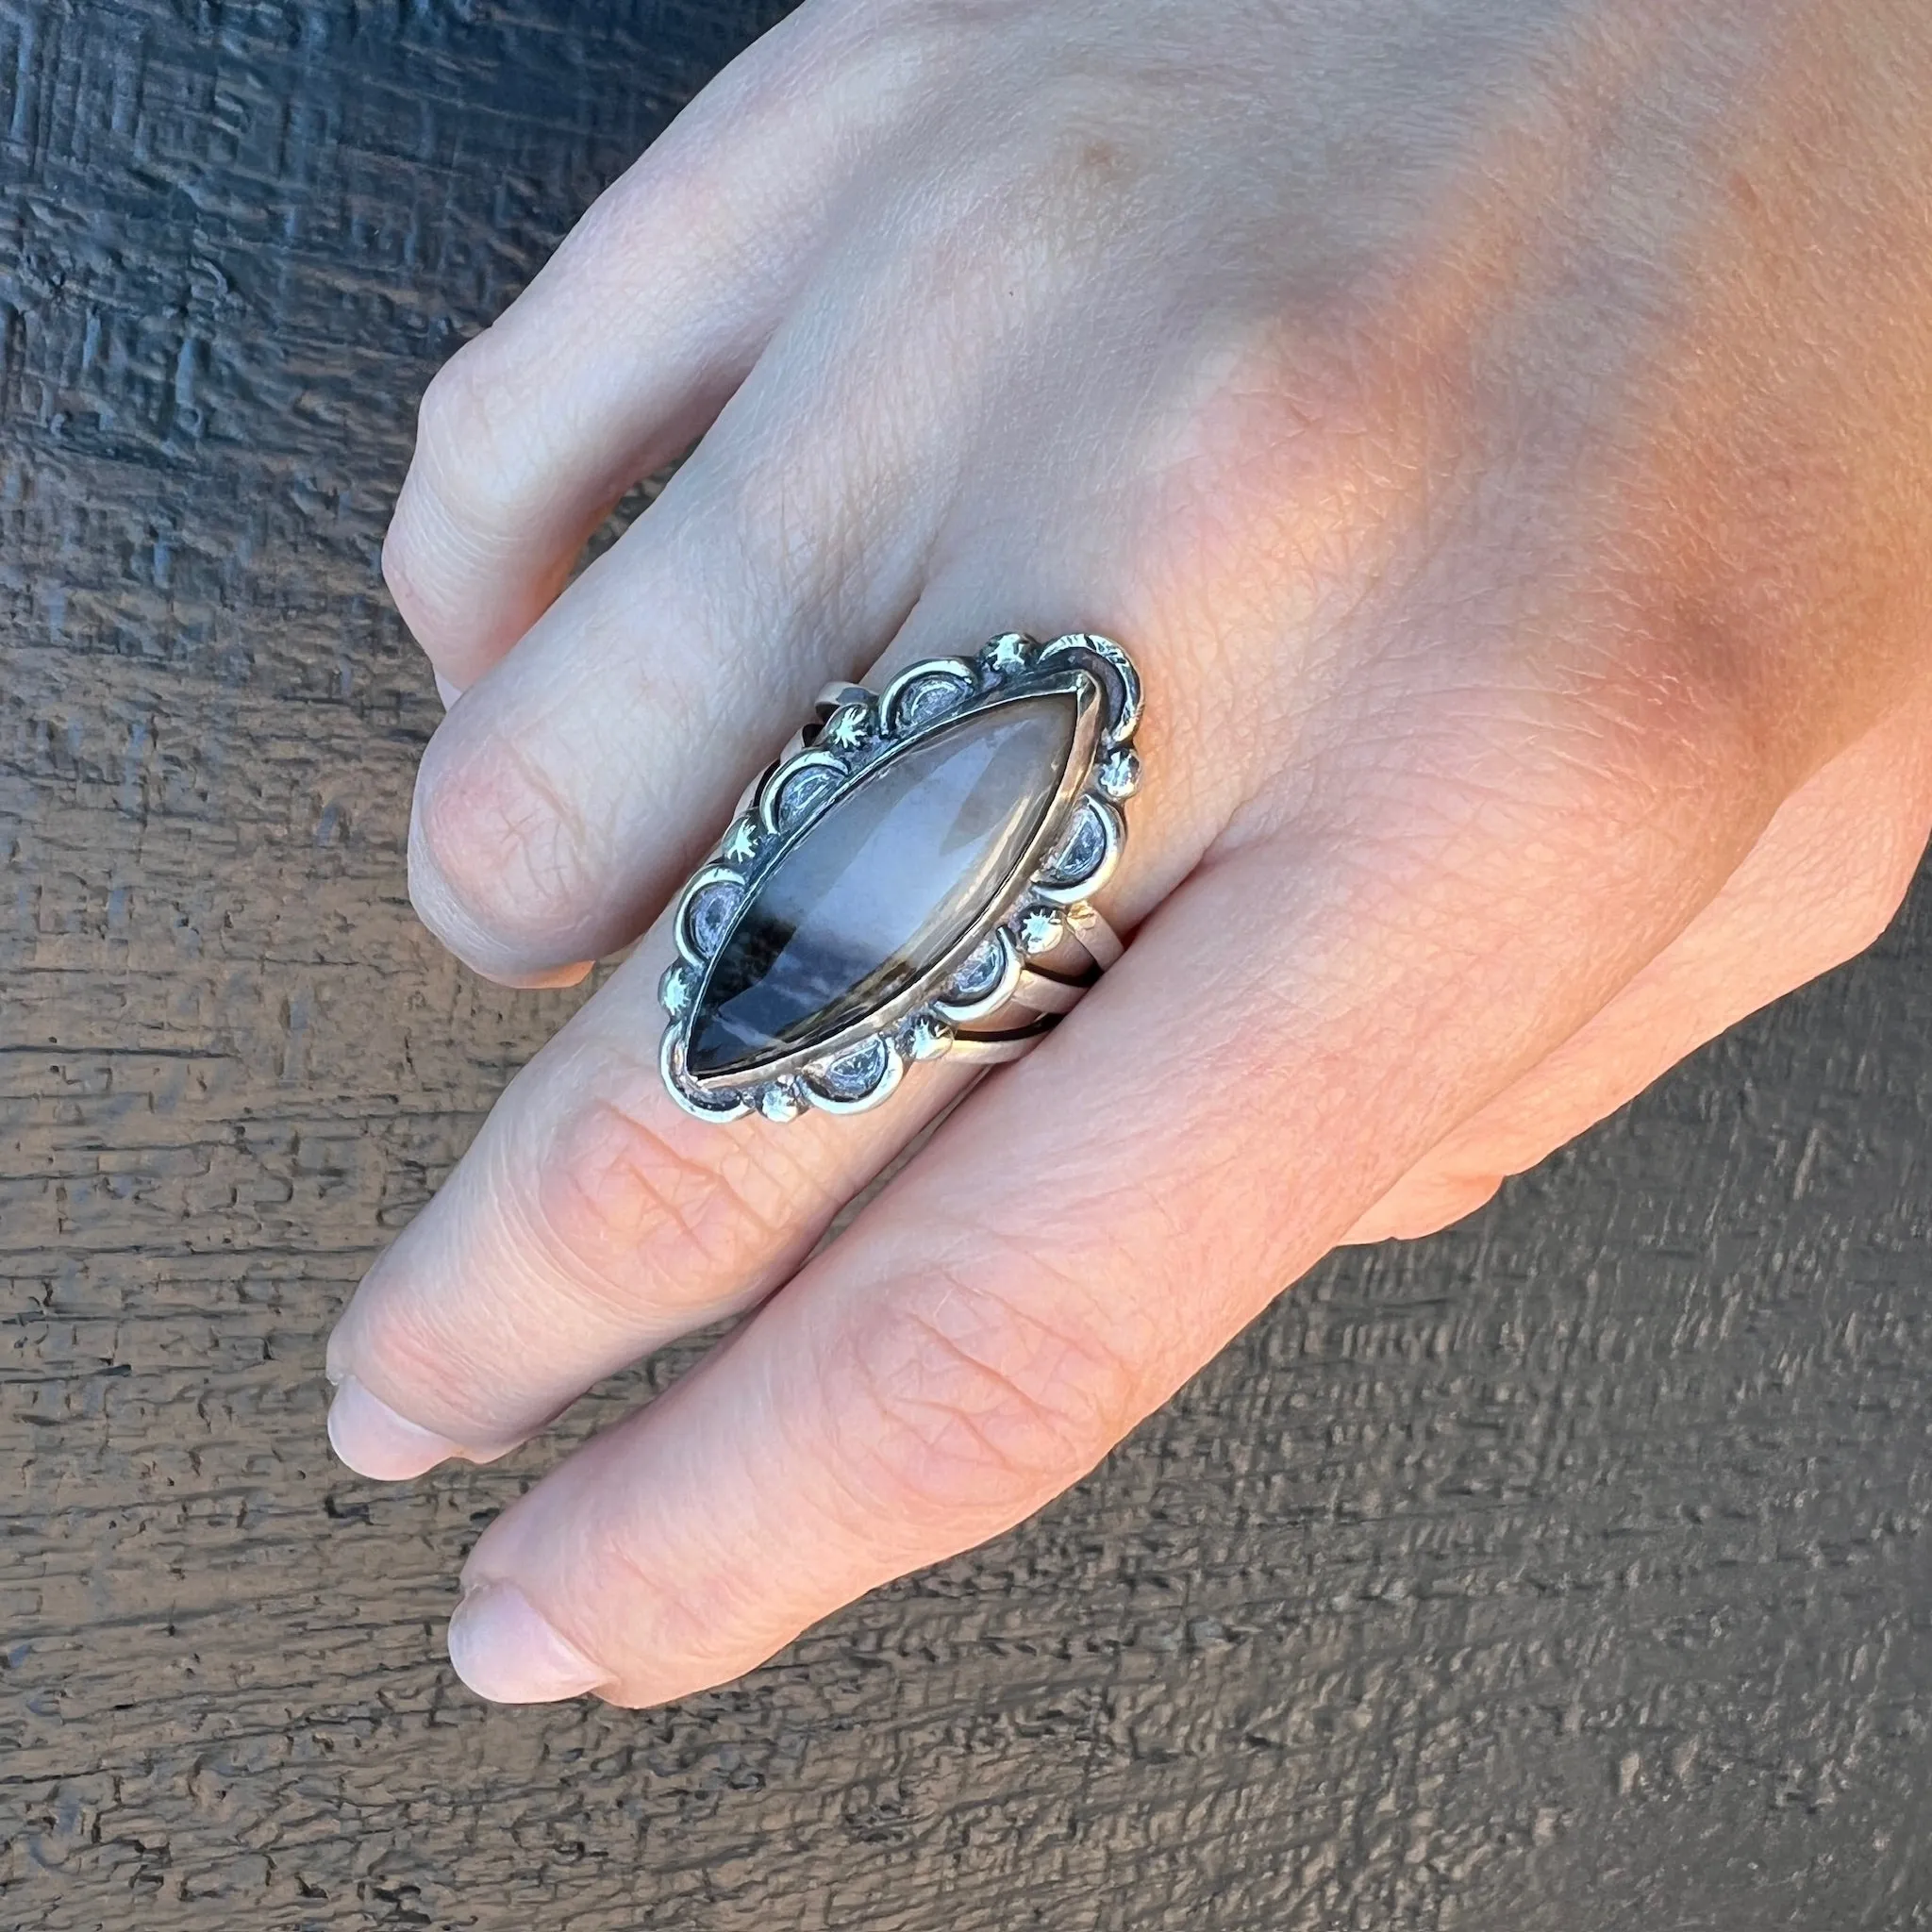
[(911, 878)]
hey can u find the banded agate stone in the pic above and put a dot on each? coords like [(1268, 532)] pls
[(873, 894)]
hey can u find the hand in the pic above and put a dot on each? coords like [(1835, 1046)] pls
[(1501, 429)]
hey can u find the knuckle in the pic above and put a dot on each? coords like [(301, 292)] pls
[(427, 1368), (410, 576), (458, 501), (474, 454), (630, 1204), (453, 419), (1692, 688), (965, 1408), (498, 843)]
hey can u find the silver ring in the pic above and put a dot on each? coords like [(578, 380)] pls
[(911, 878)]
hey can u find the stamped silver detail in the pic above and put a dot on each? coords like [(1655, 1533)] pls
[(709, 912), (979, 975), (1079, 854), (779, 1101), (1085, 856), (857, 1080), (1040, 930), (848, 727), (925, 692), (677, 988), (1119, 775), (853, 1075), (803, 790), (797, 786), (741, 842), (717, 1108), (1010, 652), (927, 1037), (1115, 670), (983, 982)]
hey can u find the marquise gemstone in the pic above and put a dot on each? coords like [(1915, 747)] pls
[(877, 891)]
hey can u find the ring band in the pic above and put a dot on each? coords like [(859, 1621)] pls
[(911, 878)]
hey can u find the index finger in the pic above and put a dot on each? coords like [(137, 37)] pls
[(630, 341)]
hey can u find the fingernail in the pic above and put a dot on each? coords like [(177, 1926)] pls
[(374, 1441), (504, 1651), (447, 692), (550, 976)]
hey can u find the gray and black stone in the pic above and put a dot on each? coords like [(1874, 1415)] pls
[(875, 894)]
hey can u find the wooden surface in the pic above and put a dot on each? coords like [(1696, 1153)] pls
[(1567, 1572)]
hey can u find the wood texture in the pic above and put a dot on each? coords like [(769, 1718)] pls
[(1567, 1572)]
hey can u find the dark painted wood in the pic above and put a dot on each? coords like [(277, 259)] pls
[(1569, 1572)]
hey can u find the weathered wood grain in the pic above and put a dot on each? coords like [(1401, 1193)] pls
[(1566, 1571)]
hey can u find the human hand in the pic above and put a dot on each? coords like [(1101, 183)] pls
[(1502, 430)]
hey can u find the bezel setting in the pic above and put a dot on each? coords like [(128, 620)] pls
[(1041, 905)]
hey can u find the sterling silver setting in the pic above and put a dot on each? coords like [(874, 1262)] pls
[(1032, 950)]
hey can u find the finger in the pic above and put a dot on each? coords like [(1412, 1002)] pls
[(630, 341), (559, 804), (1824, 881), (592, 1221), (1087, 1230)]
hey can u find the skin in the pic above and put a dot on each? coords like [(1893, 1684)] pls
[(1501, 429)]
